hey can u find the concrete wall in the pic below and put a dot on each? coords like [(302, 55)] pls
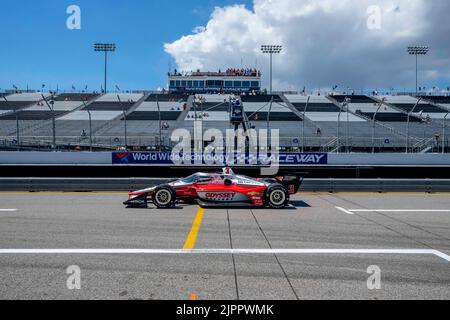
[(54, 158), (390, 159), (104, 158)]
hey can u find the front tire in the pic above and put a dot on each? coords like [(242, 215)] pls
[(277, 197), (164, 197)]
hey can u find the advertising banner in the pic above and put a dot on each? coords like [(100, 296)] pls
[(155, 158)]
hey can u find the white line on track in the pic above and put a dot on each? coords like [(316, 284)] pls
[(345, 210), (230, 251), (8, 210), (396, 210)]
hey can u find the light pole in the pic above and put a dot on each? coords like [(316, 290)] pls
[(125, 122), (416, 51), (160, 124), (443, 132), (90, 126), (407, 124), (345, 105), (339, 130), (380, 104), (271, 49), (17, 123), (303, 124), (90, 130), (105, 47), (268, 116), (52, 109)]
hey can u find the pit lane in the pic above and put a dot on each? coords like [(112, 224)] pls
[(87, 221)]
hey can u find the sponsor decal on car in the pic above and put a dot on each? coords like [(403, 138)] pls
[(256, 198), (220, 196)]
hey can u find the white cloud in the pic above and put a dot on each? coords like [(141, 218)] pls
[(199, 29), (325, 42)]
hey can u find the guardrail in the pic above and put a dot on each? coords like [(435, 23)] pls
[(114, 142), (309, 185)]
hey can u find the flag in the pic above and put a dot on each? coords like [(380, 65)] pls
[(421, 114)]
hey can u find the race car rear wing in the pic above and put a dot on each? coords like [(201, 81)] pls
[(292, 183)]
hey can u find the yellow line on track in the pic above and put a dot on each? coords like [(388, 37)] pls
[(192, 237)]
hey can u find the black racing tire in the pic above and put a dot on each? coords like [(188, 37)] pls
[(277, 197), (164, 197)]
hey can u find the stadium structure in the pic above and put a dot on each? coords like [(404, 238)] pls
[(145, 120)]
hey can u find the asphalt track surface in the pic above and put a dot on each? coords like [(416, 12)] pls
[(319, 248)]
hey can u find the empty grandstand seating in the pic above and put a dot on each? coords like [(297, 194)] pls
[(33, 115), (13, 105), (27, 96), (274, 116), (167, 97), (215, 98), (109, 106), (259, 99), (422, 107), (213, 106), (143, 126), (169, 107), (325, 116), (153, 115), (59, 106), (424, 110), (208, 116), (353, 98), (73, 116), (82, 115), (316, 104), (20, 100), (76, 97), (257, 109), (124, 97), (367, 107), (7, 127), (388, 117), (437, 99), (317, 107)]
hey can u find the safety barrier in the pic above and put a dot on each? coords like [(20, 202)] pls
[(309, 185)]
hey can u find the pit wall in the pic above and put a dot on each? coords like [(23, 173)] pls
[(303, 160)]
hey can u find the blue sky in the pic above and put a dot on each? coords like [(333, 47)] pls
[(38, 48)]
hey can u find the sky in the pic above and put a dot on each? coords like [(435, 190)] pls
[(354, 44)]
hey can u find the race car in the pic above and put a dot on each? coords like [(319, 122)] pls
[(224, 189)]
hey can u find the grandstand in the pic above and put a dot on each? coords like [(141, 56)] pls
[(20, 105), (316, 123), (143, 120)]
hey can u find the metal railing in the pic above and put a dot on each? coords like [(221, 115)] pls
[(324, 144)]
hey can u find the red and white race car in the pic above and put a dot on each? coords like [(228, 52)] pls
[(219, 190)]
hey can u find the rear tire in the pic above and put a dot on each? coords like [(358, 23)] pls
[(277, 197), (164, 197)]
